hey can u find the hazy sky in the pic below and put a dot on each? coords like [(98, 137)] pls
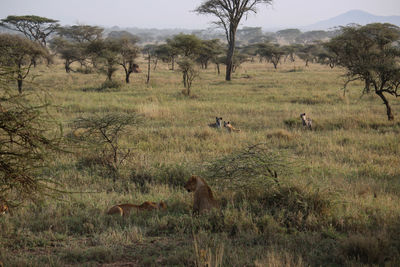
[(177, 13)]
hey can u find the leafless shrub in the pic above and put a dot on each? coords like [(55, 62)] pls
[(104, 132)]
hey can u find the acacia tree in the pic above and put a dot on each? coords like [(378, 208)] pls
[(17, 53), (75, 42), (107, 53), (189, 73), (69, 51), (369, 54), (167, 53), (229, 14), (209, 50), (27, 136), (128, 52), (35, 28), (272, 53), (149, 51), (308, 53), (326, 57), (290, 52), (81, 33)]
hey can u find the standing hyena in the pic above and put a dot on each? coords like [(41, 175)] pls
[(307, 122)]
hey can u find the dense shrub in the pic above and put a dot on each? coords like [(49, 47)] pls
[(256, 176)]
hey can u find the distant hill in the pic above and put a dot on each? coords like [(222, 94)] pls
[(353, 16)]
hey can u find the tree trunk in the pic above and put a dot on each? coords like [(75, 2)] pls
[(67, 66), (128, 72), (218, 69), (231, 51), (19, 81), (49, 60), (109, 74), (34, 62), (229, 62), (148, 69), (367, 86), (20, 78), (184, 79), (155, 64), (388, 108)]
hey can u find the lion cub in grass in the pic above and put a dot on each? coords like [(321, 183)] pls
[(203, 196), (125, 209)]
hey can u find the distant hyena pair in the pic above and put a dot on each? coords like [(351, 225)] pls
[(307, 123), (227, 125)]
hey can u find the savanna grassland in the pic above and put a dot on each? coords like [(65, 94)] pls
[(337, 205)]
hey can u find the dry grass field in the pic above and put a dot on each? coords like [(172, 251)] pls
[(336, 204)]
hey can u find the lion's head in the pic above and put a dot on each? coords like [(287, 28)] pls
[(191, 184), (162, 205), (3, 208)]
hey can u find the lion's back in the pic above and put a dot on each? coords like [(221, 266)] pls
[(204, 199)]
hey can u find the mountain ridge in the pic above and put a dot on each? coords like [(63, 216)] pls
[(353, 16)]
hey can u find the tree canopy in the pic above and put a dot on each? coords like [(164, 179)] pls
[(35, 28), (81, 33), (187, 45)]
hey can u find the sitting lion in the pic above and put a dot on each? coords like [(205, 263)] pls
[(203, 196), (125, 209)]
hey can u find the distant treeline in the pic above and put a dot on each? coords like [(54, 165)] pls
[(245, 35)]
